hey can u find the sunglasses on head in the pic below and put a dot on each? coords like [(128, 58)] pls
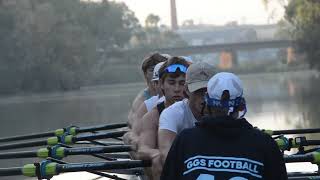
[(174, 68)]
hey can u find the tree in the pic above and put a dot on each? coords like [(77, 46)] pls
[(304, 15), (152, 21), (48, 45)]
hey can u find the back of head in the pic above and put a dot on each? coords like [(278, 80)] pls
[(175, 66), (225, 95), (152, 60)]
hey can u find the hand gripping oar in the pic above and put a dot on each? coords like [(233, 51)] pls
[(46, 169), (292, 131), (72, 130), (59, 152), (68, 139)]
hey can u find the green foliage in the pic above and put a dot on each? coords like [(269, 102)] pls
[(48, 45), (304, 15)]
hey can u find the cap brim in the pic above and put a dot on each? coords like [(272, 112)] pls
[(197, 85), (155, 79)]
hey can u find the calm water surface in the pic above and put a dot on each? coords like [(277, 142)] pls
[(275, 101)]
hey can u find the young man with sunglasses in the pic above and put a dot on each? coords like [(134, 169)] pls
[(224, 145), (184, 114), (147, 69), (172, 83)]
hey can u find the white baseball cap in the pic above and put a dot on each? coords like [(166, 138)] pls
[(155, 76), (225, 81)]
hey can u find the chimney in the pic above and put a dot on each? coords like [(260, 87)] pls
[(174, 21)]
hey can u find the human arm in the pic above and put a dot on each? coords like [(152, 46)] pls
[(147, 144), (165, 139), (168, 128), (172, 166), (137, 123), (135, 105), (274, 166)]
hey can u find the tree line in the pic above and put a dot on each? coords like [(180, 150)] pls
[(60, 45)]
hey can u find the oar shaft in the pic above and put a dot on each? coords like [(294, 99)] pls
[(24, 154), (296, 131), (299, 158), (71, 130), (23, 144), (10, 171), (102, 127), (75, 167), (24, 137), (48, 168), (95, 150), (99, 136)]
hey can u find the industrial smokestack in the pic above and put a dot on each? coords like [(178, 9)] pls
[(174, 21)]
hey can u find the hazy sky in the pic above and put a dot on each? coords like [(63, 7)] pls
[(206, 11)]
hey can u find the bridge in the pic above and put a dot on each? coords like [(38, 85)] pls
[(228, 51)]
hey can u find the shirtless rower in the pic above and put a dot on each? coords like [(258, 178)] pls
[(147, 68), (131, 137), (185, 113), (172, 81)]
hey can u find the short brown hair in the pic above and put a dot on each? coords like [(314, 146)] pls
[(152, 60), (171, 61)]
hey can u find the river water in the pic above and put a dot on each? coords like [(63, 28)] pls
[(284, 100)]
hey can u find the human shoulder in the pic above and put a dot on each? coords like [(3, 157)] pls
[(152, 116), (176, 109), (139, 99)]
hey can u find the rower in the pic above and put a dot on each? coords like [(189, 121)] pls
[(224, 145), (147, 69), (172, 83), (131, 137), (185, 113)]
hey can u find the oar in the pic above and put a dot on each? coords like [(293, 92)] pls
[(138, 171), (69, 139), (305, 178), (59, 132), (292, 131), (47, 169), (288, 143), (61, 152), (312, 158), (307, 175)]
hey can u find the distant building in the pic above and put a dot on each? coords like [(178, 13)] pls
[(206, 34)]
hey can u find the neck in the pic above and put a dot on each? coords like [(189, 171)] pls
[(168, 103), (195, 113), (151, 90)]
